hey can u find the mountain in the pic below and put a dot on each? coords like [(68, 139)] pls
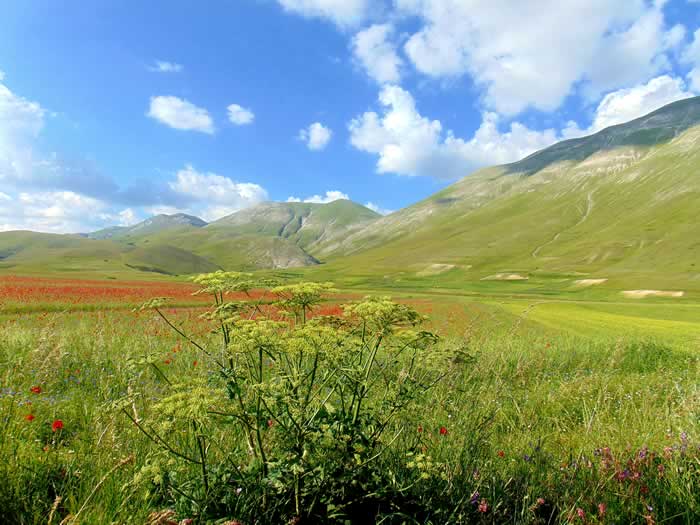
[(307, 225), (270, 235), (153, 225), (620, 206)]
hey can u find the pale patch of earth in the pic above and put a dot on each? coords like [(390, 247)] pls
[(585, 283), (506, 277), (641, 294), (435, 269)]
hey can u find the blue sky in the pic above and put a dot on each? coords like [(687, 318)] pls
[(111, 111)]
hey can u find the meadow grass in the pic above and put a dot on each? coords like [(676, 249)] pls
[(550, 414)]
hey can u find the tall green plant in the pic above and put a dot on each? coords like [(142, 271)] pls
[(300, 410)]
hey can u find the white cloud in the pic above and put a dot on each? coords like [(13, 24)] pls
[(604, 43), (627, 104), (376, 53), (342, 12), (180, 114), (691, 56), (378, 209), (239, 115), (53, 212), (214, 196), (330, 196), (408, 143), (162, 66), (21, 121), (127, 217), (316, 136)]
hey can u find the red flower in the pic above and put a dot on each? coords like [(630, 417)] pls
[(57, 425), (420, 429), (540, 501), (501, 454), (194, 363), (580, 513), (443, 431), (167, 361), (270, 423), (483, 506), (35, 390), (602, 509), (29, 417)]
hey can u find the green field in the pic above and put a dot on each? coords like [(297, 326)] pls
[(588, 403)]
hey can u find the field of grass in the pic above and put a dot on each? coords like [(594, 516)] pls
[(551, 409)]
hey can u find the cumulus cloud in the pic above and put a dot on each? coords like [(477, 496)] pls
[(628, 104), (330, 196), (213, 196), (239, 115), (375, 51), (162, 66), (181, 114), (408, 143), (316, 136), (603, 44), (21, 120), (53, 212), (341, 12), (691, 57)]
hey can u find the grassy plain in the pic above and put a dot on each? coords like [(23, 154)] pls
[(566, 405)]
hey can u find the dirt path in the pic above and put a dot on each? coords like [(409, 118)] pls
[(589, 207)]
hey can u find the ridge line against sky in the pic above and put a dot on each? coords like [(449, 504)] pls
[(111, 113)]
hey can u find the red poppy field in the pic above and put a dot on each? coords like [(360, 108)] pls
[(110, 411)]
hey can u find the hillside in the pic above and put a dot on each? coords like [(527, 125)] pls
[(153, 225), (271, 235), (620, 205)]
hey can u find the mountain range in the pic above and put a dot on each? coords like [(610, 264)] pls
[(620, 208)]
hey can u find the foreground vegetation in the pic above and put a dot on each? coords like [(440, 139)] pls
[(276, 407)]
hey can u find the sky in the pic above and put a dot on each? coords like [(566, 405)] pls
[(114, 110)]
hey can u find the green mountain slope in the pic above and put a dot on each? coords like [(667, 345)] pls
[(620, 205), (153, 225), (271, 235)]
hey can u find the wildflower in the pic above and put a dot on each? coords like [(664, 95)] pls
[(167, 361), (540, 502), (35, 390), (194, 363), (443, 431), (29, 417), (474, 500), (57, 425), (580, 513), (501, 454), (420, 429), (602, 509), (649, 519), (270, 423), (644, 490), (483, 506), (527, 457)]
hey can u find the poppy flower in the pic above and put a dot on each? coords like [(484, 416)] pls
[(194, 363), (57, 425), (35, 390), (540, 501), (483, 506), (602, 509), (501, 454), (443, 431), (29, 417), (167, 361), (581, 514), (420, 429)]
